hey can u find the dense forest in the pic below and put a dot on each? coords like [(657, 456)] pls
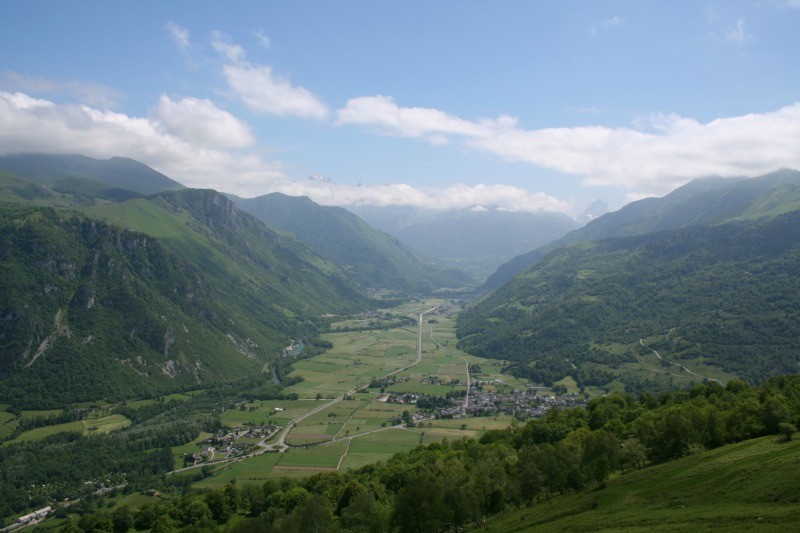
[(452, 485)]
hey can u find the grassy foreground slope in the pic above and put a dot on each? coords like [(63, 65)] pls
[(743, 486)]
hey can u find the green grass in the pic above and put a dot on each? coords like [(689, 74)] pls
[(326, 456), (750, 485), (7, 423), (92, 426), (254, 471)]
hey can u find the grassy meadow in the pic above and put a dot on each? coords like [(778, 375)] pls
[(752, 485)]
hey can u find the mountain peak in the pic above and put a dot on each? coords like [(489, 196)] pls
[(595, 210), (318, 178)]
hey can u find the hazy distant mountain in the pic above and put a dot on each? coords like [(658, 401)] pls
[(72, 170), (370, 256), (700, 202), (476, 241), (595, 210)]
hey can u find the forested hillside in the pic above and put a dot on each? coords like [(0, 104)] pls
[(723, 296), (199, 292)]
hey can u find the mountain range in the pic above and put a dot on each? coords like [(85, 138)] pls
[(700, 202), (371, 257), (704, 279), (476, 241)]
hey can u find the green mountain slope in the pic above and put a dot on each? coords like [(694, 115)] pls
[(700, 202), (117, 172), (194, 291), (724, 296), (741, 487), (369, 256)]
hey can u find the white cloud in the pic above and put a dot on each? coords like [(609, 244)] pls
[(222, 44), (263, 91), (262, 39), (660, 153), (174, 140), (90, 93), (382, 112), (201, 123), (260, 88), (180, 35), (33, 125), (458, 196)]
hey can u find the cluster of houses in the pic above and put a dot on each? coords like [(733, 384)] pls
[(224, 445), (34, 517), (524, 404)]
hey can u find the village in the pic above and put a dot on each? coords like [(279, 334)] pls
[(521, 404)]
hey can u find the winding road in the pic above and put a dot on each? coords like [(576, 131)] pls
[(641, 342)]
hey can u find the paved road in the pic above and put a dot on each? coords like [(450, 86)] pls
[(641, 341)]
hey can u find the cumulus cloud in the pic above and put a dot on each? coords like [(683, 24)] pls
[(35, 125), (384, 114), (263, 91), (658, 154), (201, 123), (260, 88)]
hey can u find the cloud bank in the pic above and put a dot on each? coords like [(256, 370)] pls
[(662, 152), (200, 145)]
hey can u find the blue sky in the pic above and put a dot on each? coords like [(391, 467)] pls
[(520, 105)]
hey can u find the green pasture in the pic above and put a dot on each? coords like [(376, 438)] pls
[(355, 358), (423, 388), (379, 446), (265, 412), (92, 426), (42, 413), (253, 470), (478, 423), (326, 456)]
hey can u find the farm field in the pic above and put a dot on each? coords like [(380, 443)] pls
[(355, 359), (358, 430)]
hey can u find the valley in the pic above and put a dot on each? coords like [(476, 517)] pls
[(360, 402)]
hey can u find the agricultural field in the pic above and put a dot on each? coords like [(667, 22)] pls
[(359, 429), (355, 359)]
